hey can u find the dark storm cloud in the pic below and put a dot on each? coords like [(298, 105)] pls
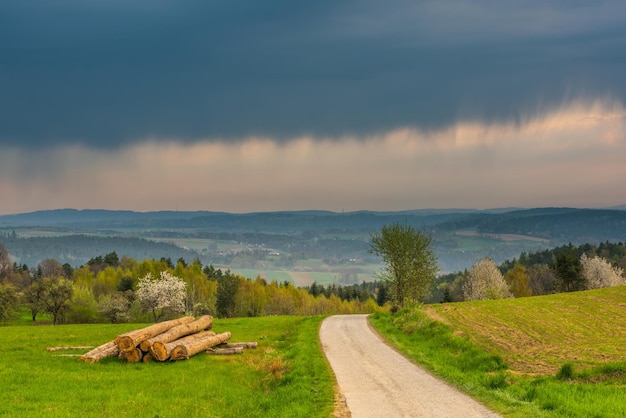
[(106, 72)]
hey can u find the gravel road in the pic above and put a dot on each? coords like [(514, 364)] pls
[(378, 382)]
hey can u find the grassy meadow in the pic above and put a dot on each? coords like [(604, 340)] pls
[(548, 356), (287, 375)]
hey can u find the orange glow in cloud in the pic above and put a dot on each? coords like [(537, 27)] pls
[(573, 156)]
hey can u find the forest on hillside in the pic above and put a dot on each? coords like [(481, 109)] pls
[(107, 287)]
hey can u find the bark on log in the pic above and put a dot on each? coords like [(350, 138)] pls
[(130, 340), (251, 344), (203, 323), (103, 351), (222, 351), (161, 351), (190, 348)]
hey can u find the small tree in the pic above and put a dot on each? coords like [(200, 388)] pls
[(84, 308), (411, 266), (56, 297), (543, 280), (8, 302), (115, 307), (161, 295), (518, 281), (32, 296), (568, 270), (227, 286), (597, 273), (484, 281)]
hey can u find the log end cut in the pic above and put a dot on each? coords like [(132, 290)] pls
[(159, 351)]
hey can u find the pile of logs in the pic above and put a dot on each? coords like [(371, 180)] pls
[(177, 339)]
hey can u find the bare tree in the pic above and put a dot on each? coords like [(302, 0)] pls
[(51, 268)]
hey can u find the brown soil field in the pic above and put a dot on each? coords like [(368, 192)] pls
[(301, 278)]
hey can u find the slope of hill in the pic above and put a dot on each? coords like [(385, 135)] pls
[(538, 335)]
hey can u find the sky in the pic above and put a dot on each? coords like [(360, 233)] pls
[(247, 106)]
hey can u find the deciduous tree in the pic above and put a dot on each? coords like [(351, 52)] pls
[(597, 273), (56, 297), (84, 308), (5, 261), (484, 281), (410, 264), (161, 295), (115, 307), (8, 302), (518, 281), (543, 280), (51, 268), (227, 286)]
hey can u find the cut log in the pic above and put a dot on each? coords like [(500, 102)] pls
[(130, 340), (147, 358), (76, 347), (161, 351), (222, 351), (251, 344), (203, 323), (103, 351), (133, 356), (190, 348)]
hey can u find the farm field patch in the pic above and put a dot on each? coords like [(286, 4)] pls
[(537, 335)]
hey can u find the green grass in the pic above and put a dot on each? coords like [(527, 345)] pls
[(537, 335), (280, 276), (590, 380), (286, 376), (269, 275), (324, 278)]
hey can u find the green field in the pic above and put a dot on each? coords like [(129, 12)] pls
[(287, 375), (268, 275), (546, 356), (538, 335), (313, 270)]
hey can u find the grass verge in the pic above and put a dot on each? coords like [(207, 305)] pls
[(286, 376), (481, 370)]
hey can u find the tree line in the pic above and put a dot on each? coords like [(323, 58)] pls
[(566, 268), (112, 289)]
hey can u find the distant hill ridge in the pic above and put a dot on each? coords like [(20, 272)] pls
[(543, 222), (460, 236)]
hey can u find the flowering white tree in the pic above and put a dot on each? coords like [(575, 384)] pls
[(163, 294), (484, 281), (598, 273)]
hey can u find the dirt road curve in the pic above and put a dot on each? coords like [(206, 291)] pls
[(378, 382)]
